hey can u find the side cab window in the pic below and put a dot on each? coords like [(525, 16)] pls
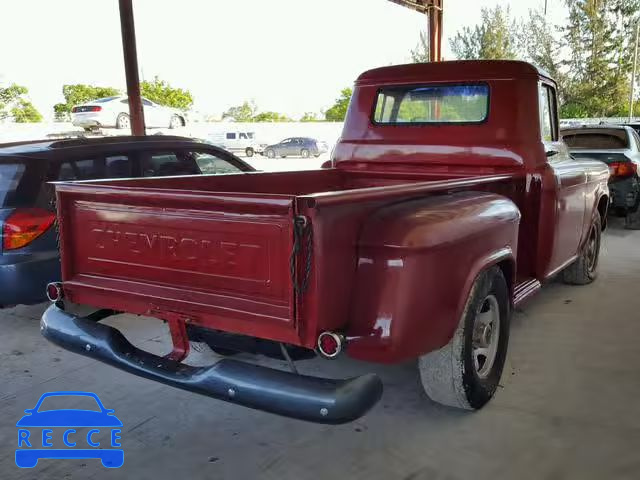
[(548, 113)]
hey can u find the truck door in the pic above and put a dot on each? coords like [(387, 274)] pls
[(570, 183)]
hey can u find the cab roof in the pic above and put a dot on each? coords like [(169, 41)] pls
[(454, 71)]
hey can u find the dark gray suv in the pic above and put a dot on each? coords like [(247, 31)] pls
[(28, 247), (296, 146)]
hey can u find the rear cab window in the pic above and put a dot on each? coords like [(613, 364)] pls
[(432, 104)]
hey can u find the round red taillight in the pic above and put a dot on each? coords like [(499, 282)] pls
[(329, 344), (54, 291)]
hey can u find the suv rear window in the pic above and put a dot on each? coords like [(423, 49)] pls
[(432, 104), (10, 176)]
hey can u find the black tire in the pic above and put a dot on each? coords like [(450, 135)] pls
[(449, 375), (305, 153), (283, 156), (585, 269), (123, 121), (249, 152), (270, 153), (317, 155)]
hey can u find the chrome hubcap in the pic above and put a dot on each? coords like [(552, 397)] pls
[(486, 334)]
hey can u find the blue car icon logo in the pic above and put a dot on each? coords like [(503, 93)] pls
[(38, 428)]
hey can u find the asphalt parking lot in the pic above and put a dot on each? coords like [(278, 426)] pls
[(568, 407)]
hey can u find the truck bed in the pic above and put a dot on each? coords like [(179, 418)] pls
[(222, 251)]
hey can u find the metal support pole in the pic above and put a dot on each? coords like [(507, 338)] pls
[(633, 75), (127, 27), (434, 14)]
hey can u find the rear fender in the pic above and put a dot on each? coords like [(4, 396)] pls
[(417, 261)]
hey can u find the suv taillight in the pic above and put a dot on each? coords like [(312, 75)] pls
[(24, 225), (623, 169)]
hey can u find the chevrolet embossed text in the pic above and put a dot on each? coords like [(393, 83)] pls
[(224, 256)]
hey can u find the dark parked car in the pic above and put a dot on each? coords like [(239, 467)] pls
[(619, 147), (28, 252), (297, 146)]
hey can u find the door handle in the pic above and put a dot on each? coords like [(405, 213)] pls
[(551, 153)]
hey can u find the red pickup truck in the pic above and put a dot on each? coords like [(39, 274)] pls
[(449, 200)]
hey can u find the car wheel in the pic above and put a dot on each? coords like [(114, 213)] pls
[(271, 154), (305, 153), (123, 121), (465, 373), (585, 269), (249, 152), (176, 122), (317, 155), (283, 156)]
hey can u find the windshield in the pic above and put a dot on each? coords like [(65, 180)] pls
[(65, 402), (597, 140), (432, 104)]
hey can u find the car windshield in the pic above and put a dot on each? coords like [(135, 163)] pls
[(105, 99), (432, 104), (10, 176), (68, 402), (596, 139)]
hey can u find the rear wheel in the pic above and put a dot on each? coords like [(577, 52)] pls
[(176, 122), (270, 154), (465, 373), (249, 152), (304, 153), (123, 121), (585, 269)]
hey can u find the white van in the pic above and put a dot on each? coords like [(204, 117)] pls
[(238, 142)]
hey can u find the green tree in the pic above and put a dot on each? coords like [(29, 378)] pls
[(339, 109), (270, 117), (78, 94), (242, 113), (161, 92), (309, 117), (495, 37), (599, 40), (541, 47), (25, 112), (13, 103), (420, 54)]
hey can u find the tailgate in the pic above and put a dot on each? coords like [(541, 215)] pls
[(219, 260)]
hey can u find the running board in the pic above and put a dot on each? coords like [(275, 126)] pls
[(525, 289)]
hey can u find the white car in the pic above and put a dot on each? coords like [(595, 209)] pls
[(114, 112)]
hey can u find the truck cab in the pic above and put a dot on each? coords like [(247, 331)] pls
[(450, 200)]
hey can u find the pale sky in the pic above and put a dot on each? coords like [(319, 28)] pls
[(290, 56)]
